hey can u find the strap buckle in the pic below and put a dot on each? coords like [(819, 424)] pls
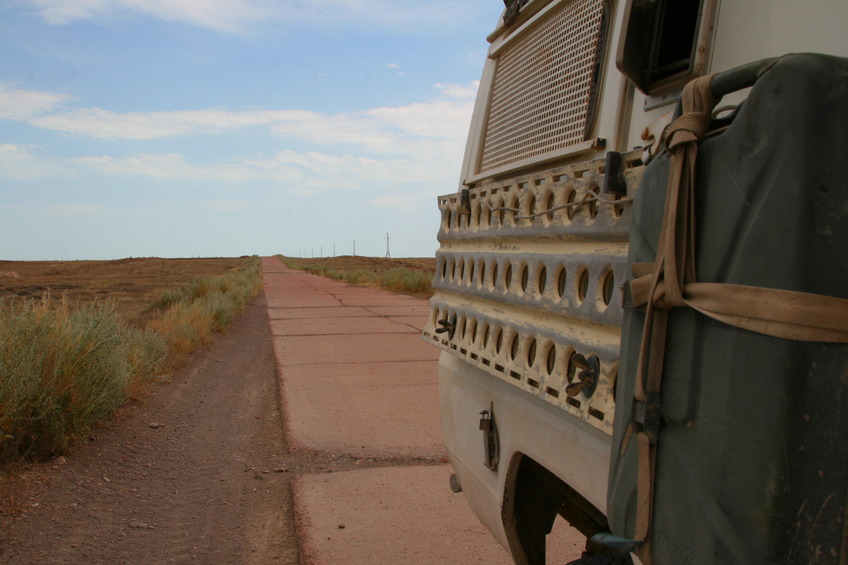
[(648, 416)]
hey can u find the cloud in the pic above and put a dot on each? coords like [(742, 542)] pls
[(221, 15), (295, 172), (236, 16), (18, 104), (404, 201), (380, 130), (105, 124), (466, 91), (82, 209), (379, 148), (20, 162)]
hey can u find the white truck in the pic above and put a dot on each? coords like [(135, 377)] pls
[(666, 433)]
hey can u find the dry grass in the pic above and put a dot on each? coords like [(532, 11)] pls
[(132, 283), (404, 275), (63, 370), (188, 316), (65, 366)]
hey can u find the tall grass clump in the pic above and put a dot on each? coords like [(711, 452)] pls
[(62, 370), (359, 276), (290, 262), (406, 280), (188, 316)]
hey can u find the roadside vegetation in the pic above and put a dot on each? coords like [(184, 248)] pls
[(396, 279), (64, 368)]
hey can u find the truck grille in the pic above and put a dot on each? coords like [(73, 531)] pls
[(543, 85)]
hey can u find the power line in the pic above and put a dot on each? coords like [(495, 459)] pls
[(387, 246)]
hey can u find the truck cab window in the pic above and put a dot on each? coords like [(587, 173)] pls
[(665, 42)]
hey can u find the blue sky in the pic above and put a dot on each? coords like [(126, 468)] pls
[(192, 128)]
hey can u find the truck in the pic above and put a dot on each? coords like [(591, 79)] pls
[(640, 289)]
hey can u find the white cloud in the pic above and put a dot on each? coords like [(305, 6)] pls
[(18, 104), (164, 166), (236, 16), (467, 91), (404, 201), (221, 15), (82, 209), (20, 162), (295, 172), (105, 124), (381, 130), (377, 149)]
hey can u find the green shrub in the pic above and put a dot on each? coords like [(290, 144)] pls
[(399, 279), (406, 280), (207, 304), (165, 300), (61, 371), (359, 276)]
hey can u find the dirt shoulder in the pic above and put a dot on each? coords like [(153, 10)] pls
[(199, 472)]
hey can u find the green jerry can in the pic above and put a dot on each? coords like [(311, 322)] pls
[(745, 441)]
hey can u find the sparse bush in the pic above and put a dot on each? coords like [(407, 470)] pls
[(165, 300), (147, 354), (359, 276), (398, 279), (206, 305), (61, 371), (290, 262), (406, 280)]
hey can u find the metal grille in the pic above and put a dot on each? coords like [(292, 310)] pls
[(543, 83)]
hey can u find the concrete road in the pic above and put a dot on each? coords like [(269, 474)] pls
[(358, 381)]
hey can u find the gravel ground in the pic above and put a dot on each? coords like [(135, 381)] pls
[(199, 472)]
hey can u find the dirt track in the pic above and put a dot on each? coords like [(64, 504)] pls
[(149, 488)]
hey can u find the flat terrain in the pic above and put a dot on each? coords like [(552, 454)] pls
[(202, 470), (132, 283), (376, 264)]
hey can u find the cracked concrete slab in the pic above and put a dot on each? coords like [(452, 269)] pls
[(372, 394)]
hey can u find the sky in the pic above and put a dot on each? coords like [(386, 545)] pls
[(206, 128)]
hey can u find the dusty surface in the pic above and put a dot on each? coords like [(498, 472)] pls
[(132, 283), (198, 473)]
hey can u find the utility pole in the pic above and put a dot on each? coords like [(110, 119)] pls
[(354, 248), (334, 250), (387, 246), (322, 251)]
